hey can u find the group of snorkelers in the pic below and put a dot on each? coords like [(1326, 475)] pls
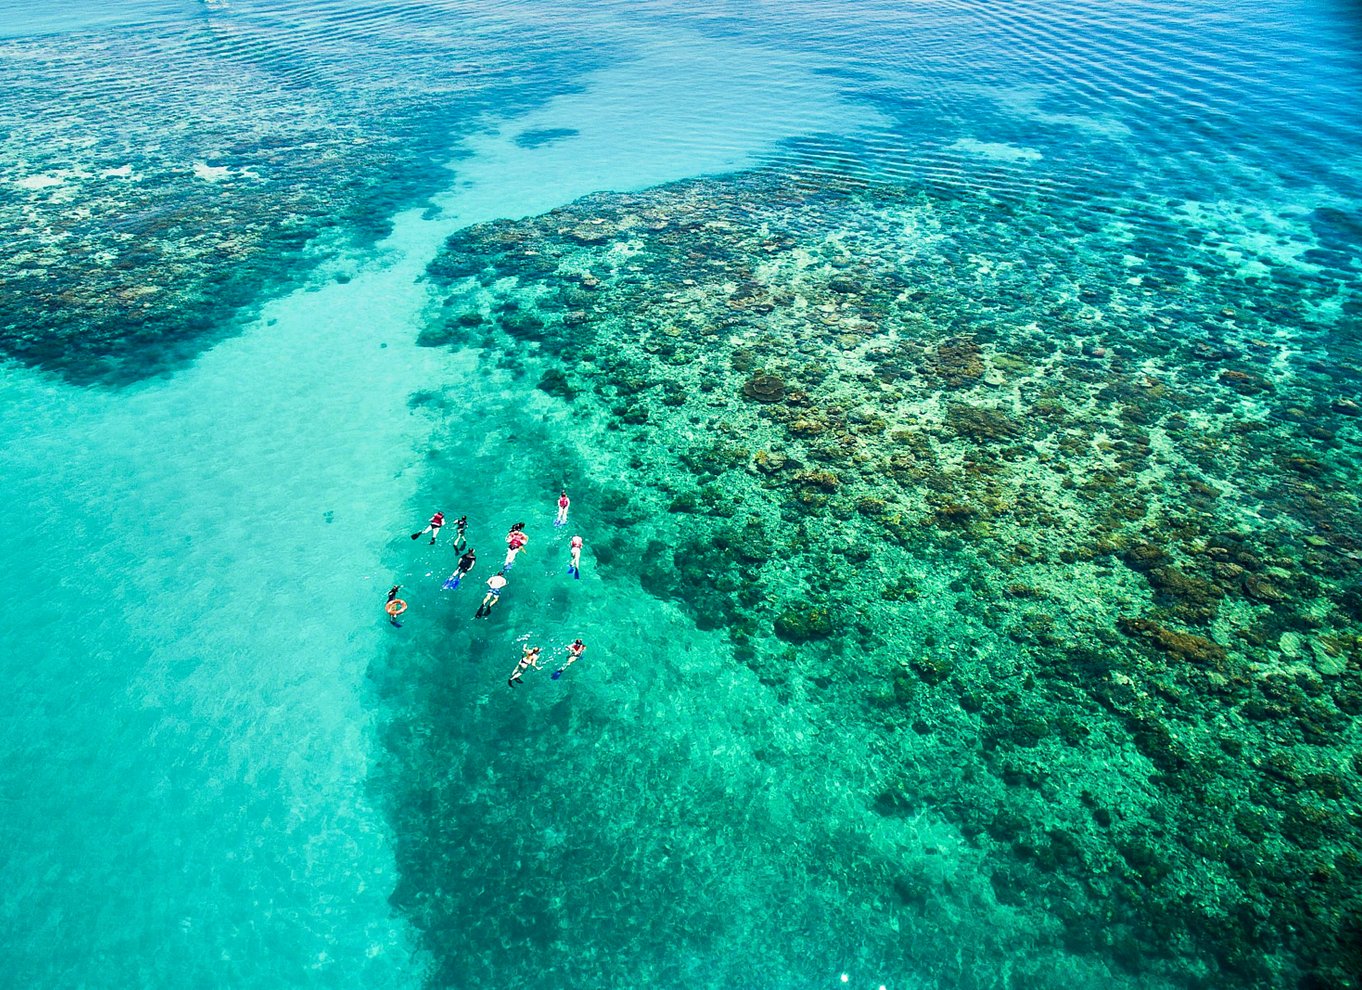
[(516, 539)]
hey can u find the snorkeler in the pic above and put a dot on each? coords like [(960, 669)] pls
[(530, 658), (432, 527), (575, 560), (494, 585), (466, 563), (515, 542), (563, 503), (394, 606), (575, 652), (460, 529)]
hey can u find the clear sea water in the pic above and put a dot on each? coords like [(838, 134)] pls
[(213, 745)]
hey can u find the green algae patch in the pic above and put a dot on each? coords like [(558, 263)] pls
[(1078, 550)]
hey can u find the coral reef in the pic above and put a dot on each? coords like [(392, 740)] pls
[(134, 240), (1047, 502)]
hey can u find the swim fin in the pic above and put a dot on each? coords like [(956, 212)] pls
[(558, 673), (415, 536), (451, 582), (577, 573)]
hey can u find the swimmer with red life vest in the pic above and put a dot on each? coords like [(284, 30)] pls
[(574, 654), (433, 528), (515, 542), (563, 503)]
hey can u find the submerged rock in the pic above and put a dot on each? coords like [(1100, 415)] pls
[(1173, 583), (769, 461), (933, 669), (1182, 645), (957, 362), (764, 388), (1143, 556), (1245, 383), (823, 481), (1259, 588), (981, 423), (800, 625)]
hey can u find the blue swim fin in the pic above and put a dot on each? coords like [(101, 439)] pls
[(557, 673), (577, 573), (451, 582)]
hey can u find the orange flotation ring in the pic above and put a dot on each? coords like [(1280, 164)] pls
[(395, 607)]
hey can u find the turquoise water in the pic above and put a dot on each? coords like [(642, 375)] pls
[(959, 406)]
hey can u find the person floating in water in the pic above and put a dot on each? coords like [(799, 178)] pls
[(494, 585), (466, 563), (395, 606), (530, 658), (460, 533), (515, 542), (575, 558), (563, 503), (433, 528), (575, 652)]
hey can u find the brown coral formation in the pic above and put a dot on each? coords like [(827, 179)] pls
[(1180, 645)]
